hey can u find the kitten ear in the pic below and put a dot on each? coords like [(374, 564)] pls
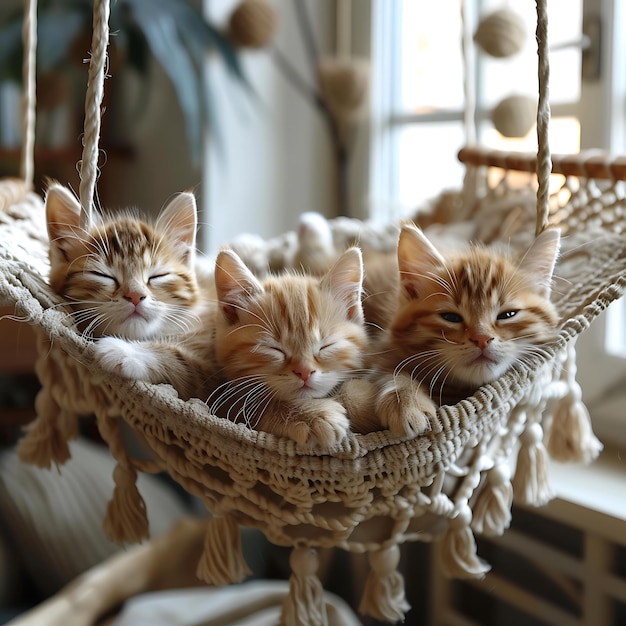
[(345, 281), (235, 283), (63, 218), (540, 259), (417, 258), (180, 219)]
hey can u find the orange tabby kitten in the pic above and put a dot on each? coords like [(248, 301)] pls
[(457, 321), (124, 276), (271, 351)]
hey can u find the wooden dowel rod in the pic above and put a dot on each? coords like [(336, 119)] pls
[(587, 164)]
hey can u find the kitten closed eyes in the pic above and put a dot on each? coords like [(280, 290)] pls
[(268, 353), (285, 343), (123, 275)]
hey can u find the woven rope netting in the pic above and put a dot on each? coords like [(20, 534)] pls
[(375, 492)]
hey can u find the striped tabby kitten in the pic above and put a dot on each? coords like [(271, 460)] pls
[(457, 320), (122, 275), (271, 352)]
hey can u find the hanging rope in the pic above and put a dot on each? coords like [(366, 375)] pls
[(469, 112), (93, 102), (544, 159), (29, 96)]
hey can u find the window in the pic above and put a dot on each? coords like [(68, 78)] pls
[(419, 124)]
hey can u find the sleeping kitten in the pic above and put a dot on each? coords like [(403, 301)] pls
[(124, 276), (271, 351), (459, 321)]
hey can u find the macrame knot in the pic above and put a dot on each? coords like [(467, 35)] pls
[(571, 438), (530, 483), (222, 561), (492, 509), (304, 605), (383, 596), (45, 440), (126, 519), (458, 548)]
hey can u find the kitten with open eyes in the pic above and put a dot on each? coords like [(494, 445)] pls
[(458, 320), (122, 275), (270, 352)]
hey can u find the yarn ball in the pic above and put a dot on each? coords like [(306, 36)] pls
[(501, 33), (344, 85), (515, 116), (252, 24)]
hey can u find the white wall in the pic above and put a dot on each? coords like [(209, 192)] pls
[(276, 160)]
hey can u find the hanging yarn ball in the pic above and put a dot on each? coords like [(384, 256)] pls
[(515, 116), (252, 24), (501, 33), (344, 85)]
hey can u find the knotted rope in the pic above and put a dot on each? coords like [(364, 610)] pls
[(544, 159), (93, 101)]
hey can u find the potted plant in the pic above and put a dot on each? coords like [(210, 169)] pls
[(174, 32)]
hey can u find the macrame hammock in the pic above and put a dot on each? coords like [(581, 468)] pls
[(376, 492)]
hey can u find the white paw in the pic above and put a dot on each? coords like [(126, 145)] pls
[(405, 411), (331, 426), (128, 359), (322, 423)]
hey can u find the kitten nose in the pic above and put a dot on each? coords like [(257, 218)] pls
[(134, 297), (302, 371), (482, 341)]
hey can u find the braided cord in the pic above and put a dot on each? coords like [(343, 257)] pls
[(93, 102), (469, 114), (29, 96), (544, 159)]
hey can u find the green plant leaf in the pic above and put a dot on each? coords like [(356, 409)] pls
[(56, 31), (175, 32), (197, 31), (11, 49), (160, 31)]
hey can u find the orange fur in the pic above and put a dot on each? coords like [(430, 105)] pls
[(123, 275), (456, 321), (269, 353)]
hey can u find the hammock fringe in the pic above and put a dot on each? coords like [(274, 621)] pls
[(126, 519), (305, 603), (45, 440), (222, 561), (531, 485), (492, 509), (383, 596), (570, 437), (458, 549)]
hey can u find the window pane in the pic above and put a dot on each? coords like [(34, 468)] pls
[(564, 137), (428, 161), (432, 63), (518, 74)]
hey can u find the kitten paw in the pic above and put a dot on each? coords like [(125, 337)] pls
[(405, 411), (325, 425), (126, 358)]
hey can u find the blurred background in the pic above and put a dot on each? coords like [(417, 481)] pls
[(270, 108)]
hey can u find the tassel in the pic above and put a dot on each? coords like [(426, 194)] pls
[(222, 561), (45, 439), (458, 549), (126, 520), (383, 596), (305, 604), (571, 437), (530, 483), (492, 509)]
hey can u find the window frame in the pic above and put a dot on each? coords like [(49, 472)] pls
[(374, 32)]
